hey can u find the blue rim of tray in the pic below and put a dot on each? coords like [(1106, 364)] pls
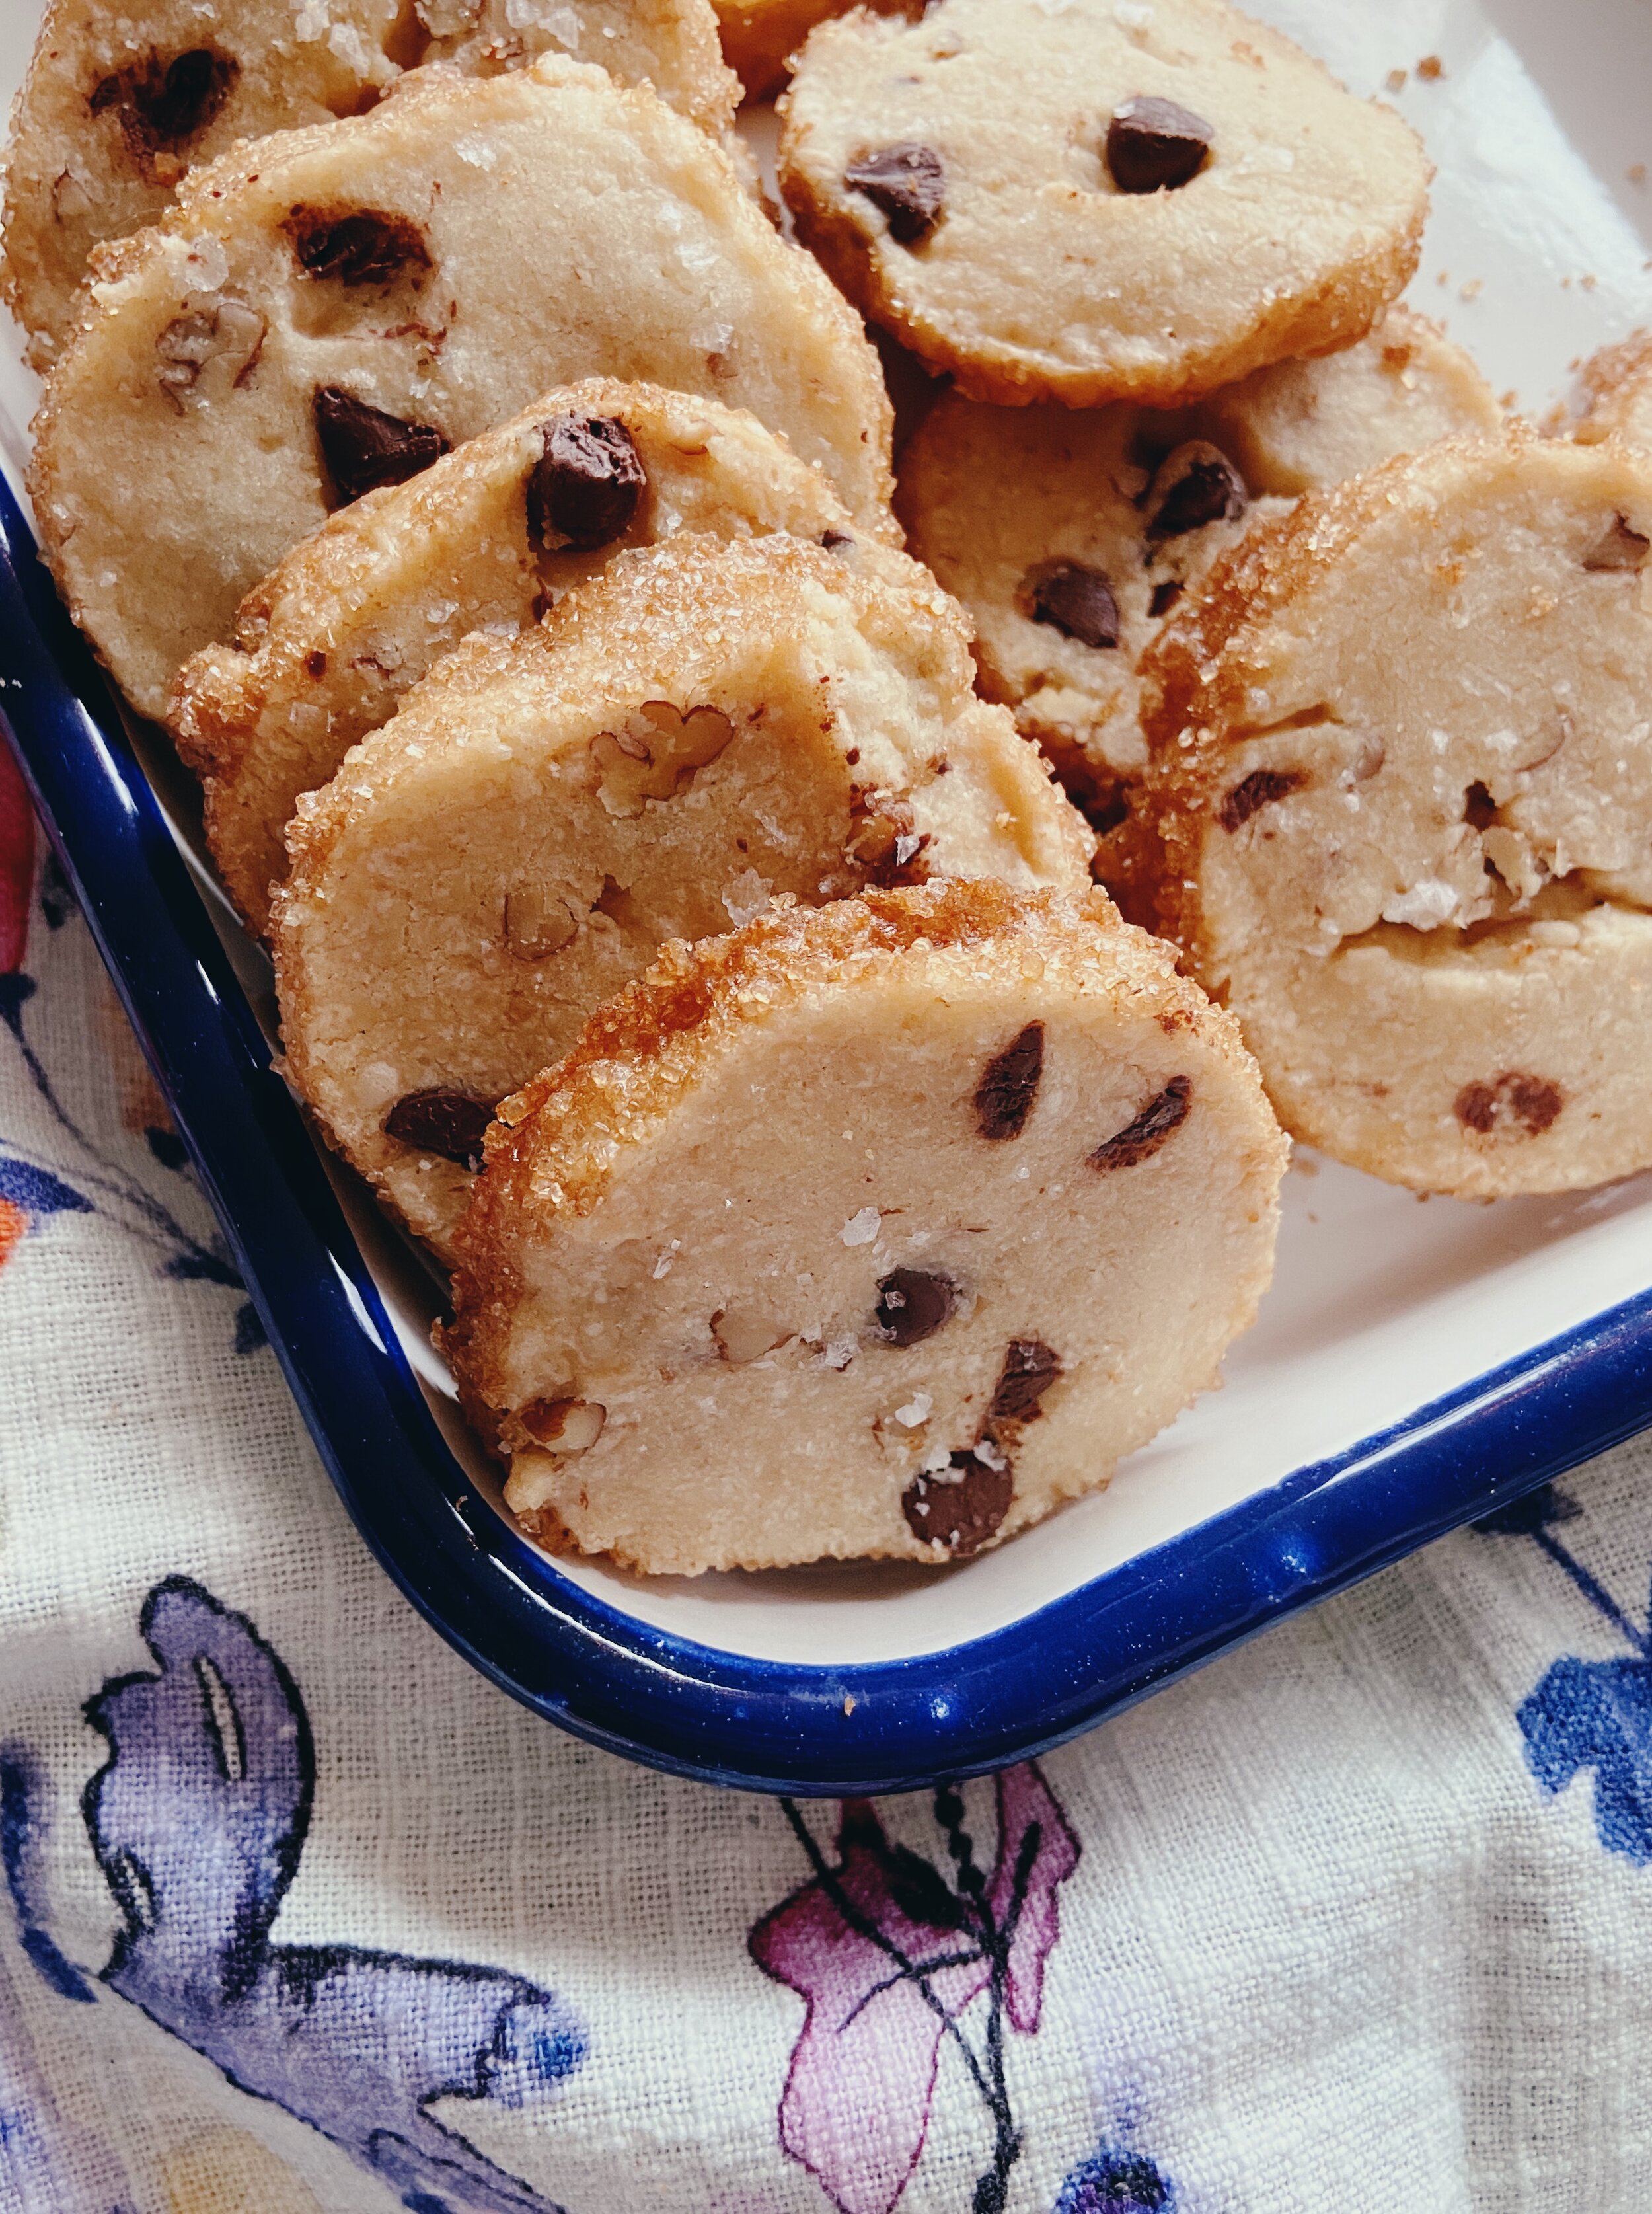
[(617, 1683)]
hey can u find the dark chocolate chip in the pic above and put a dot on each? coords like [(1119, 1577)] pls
[(1030, 1368), (1618, 547), (1165, 596), (913, 1304), (166, 103), (1511, 1106), (1154, 145), (316, 663), (907, 183), (963, 1513), (1262, 788), (450, 1123), (1195, 484), (364, 448), (584, 489), (1479, 807), (359, 246), (1078, 602), (1009, 1085), (1163, 1114)]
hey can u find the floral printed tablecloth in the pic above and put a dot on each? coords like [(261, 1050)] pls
[(299, 1914)]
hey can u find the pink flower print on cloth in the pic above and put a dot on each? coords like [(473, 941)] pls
[(888, 1954)]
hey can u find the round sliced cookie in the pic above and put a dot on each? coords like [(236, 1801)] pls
[(1098, 202), (1615, 386), (1070, 535), (1401, 770), (1040, 1199), (705, 724), (118, 104), (486, 538), (332, 310), (760, 36)]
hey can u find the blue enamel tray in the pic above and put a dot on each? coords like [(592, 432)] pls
[(1413, 1366)]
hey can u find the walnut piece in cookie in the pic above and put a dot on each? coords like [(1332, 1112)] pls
[(1401, 775), (1085, 204), (928, 1341), (486, 539), (704, 724), (422, 274)]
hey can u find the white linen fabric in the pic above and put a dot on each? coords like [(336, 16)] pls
[(299, 1913)]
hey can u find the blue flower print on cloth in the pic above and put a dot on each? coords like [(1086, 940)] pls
[(1588, 1714), (1115, 2182), (198, 1819)]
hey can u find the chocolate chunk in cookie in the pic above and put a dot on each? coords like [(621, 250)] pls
[(907, 183), (1155, 146), (961, 1507), (1618, 547), (1030, 1368), (584, 490), (1009, 1085), (913, 1304), (1511, 1106), (1195, 485), (164, 104), (1263, 787), (449, 1123), (1078, 602), (364, 448), (1140, 1139), (361, 246)]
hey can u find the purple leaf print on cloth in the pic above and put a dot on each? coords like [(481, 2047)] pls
[(198, 1819), (888, 1954)]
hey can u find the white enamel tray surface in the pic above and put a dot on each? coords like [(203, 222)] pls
[(1539, 249)]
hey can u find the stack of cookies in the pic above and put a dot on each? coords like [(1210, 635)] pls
[(682, 846)]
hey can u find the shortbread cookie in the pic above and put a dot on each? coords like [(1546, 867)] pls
[(332, 310), (1617, 391), (760, 36), (120, 103), (486, 538), (882, 1229), (705, 724), (1090, 203), (1402, 765), (1070, 535)]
